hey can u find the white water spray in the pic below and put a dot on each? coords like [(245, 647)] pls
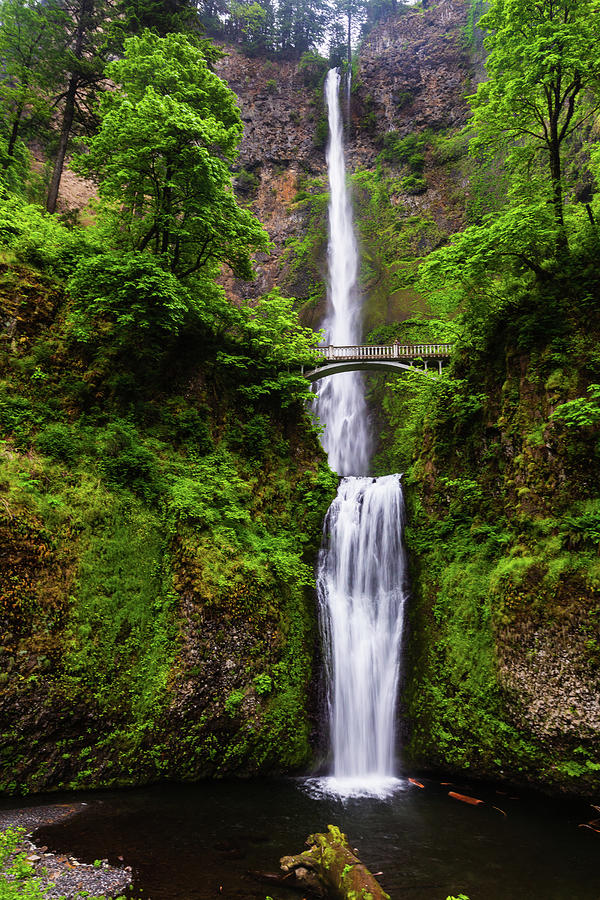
[(341, 402), (361, 570)]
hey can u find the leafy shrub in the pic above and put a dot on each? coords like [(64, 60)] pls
[(404, 150), (214, 496), (313, 69), (416, 162), (581, 412), (188, 425), (42, 240), (246, 182), (127, 300), (321, 133), (233, 702), (414, 184), (58, 441), (126, 462), (452, 147), (582, 531), (263, 684)]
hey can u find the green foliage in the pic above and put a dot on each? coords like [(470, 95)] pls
[(58, 441), (127, 301), (41, 240), (134, 510), (542, 71), (407, 150), (313, 68), (263, 684), (169, 132), (233, 702), (126, 461), (414, 184), (581, 412), (17, 881), (31, 36)]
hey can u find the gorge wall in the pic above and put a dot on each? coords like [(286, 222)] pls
[(157, 616), (502, 679), (155, 627)]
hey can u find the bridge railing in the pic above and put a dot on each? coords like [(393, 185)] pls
[(386, 351)]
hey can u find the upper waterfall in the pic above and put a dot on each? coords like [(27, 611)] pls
[(340, 403)]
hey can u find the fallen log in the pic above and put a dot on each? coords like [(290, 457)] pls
[(464, 798), (337, 870)]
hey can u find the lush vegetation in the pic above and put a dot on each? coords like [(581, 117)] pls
[(501, 452), (163, 488)]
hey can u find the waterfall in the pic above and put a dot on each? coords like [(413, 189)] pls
[(361, 567), (361, 591), (340, 401)]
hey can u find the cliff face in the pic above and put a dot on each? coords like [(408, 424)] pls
[(157, 615), (504, 672), (280, 115), (413, 74)]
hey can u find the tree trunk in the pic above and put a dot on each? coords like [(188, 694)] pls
[(65, 132), (331, 861), (14, 133), (557, 192), (350, 39), (86, 8)]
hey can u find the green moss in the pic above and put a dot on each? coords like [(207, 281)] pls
[(158, 615), (503, 534)]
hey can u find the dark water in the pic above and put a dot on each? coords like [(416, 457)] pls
[(200, 841)]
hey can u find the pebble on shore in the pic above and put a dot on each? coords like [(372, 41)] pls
[(62, 875)]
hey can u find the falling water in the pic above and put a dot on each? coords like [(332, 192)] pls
[(361, 590), (341, 401), (361, 570)]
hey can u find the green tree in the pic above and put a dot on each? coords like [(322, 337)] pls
[(161, 16), (87, 43), (544, 83), (169, 132), (301, 25), (352, 11), (30, 33), (247, 21)]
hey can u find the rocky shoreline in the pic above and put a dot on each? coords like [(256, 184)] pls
[(62, 875)]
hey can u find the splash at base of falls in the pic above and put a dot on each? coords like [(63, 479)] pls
[(374, 786)]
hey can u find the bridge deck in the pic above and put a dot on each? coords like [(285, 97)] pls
[(360, 352), (383, 357)]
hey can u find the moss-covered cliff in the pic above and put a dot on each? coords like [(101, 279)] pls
[(503, 667), (158, 530)]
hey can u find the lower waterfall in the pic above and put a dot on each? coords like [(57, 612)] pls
[(361, 587)]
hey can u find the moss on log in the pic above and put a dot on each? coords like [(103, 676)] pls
[(336, 868)]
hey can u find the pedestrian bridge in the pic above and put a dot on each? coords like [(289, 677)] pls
[(425, 358)]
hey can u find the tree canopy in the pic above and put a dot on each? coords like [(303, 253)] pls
[(168, 134), (543, 84)]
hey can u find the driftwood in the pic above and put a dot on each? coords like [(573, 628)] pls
[(331, 866)]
